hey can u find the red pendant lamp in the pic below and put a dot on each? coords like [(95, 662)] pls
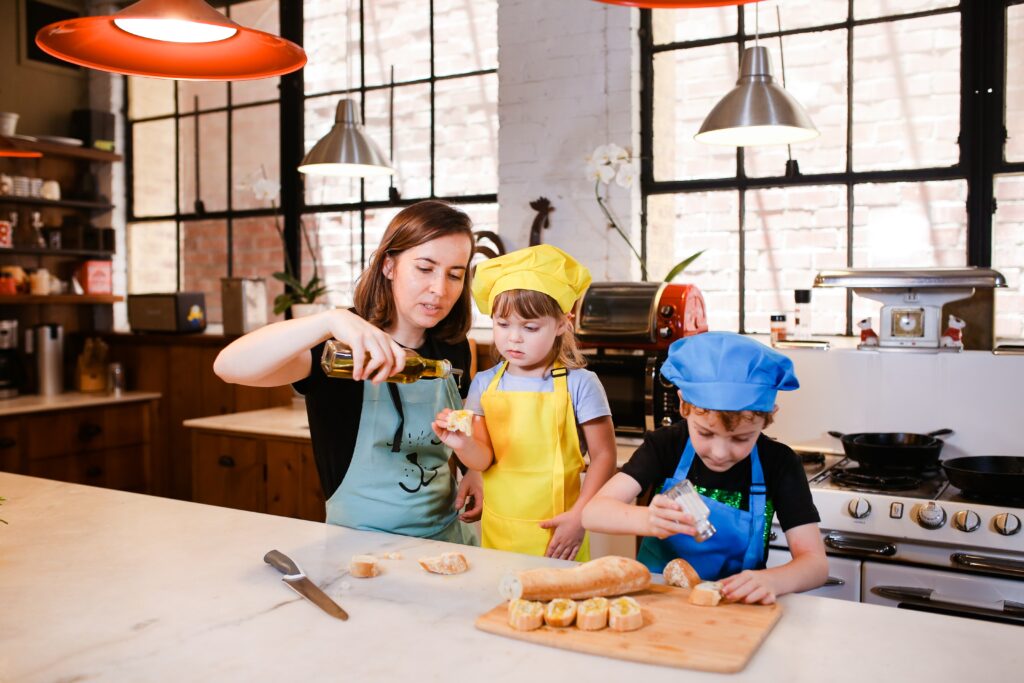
[(184, 39), (676, 4)]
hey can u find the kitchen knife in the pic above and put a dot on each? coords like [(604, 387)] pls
[(301, 584)]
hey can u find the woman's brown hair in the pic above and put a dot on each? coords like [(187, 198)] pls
[(530, 305), (411, 227)]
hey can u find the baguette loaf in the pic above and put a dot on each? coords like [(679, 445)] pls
[(592, 614), (524, 615), (363, 566), (604, 576), (706, 594), (679, 573), (624, 615), (560, 612), (445, 563)]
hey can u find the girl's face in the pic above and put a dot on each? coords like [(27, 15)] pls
[(527, 342), (720, 448), (427, 280)]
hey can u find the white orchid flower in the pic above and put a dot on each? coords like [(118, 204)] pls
[(600, 156), (600, 172), (265, 189), (626, 174), (617, 154)]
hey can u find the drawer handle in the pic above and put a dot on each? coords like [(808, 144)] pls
[(94, 471), (8, 442), (89, 431), (226, 461)]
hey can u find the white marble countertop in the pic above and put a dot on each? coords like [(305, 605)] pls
[(32, 403), (101, 585)]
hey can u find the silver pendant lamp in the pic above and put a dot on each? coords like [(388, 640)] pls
[(346, 150), (757, 111)]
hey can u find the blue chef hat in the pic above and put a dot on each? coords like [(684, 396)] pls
[(727, 371)]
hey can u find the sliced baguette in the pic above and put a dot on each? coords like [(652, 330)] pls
[(460, 421), (624, 614), (524, 615), (445, 563), (706, 594), (363, 566), (680, 573), (604, 576), (560, 612), (592, 614)]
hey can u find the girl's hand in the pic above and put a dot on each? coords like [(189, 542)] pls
[(568, 536), (749, 586), (387, 356), (457, 441), (665, 518), (471, 489)]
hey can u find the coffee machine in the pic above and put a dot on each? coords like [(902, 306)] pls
[(12, 372)]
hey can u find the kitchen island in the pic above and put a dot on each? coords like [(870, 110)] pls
[(102, 585)]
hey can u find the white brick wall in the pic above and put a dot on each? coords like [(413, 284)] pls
[(568, 81)]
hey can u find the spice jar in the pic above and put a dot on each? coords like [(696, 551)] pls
[(778, 328)]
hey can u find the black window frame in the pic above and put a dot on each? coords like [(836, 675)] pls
[(981, 139)]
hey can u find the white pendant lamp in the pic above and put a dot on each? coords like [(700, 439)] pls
[(346, 150), (757, 111)]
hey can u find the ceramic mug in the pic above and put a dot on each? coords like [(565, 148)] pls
[(50, 190), (39, 281)]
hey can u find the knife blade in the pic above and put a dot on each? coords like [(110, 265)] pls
[(300, 583)]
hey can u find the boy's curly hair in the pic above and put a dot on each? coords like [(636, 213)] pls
[(730, 418)]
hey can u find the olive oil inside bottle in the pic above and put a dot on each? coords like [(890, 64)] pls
[(337, 361)]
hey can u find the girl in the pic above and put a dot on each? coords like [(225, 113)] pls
[(532, 409), (379, 466)]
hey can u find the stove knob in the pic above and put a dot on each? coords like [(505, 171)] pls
[(1007, 524), (665, 332), (667, 311), (966, 520), (931, 516), (859, 508)]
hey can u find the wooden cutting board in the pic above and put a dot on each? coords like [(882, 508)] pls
[(675, 633)]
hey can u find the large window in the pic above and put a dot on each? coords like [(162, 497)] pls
[(425, 77), (905, 173)]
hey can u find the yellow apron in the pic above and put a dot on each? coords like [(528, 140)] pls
[(537, 465)]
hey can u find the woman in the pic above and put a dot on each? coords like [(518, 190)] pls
[(380, 465)]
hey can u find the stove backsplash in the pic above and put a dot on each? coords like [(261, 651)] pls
[(978, 395)]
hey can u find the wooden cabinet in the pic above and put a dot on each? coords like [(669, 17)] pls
[(106, 446), (260, 474)]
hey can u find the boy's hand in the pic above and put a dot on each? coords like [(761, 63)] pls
[(665, 518), (749, 586), (568, 536), (456, 441)]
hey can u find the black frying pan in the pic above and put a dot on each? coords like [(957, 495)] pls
[(893, 450), (987, 475)]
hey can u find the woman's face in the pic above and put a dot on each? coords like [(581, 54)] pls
[(427, 280)]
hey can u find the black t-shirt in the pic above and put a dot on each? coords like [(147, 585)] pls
[(787, 491), (334, 407)]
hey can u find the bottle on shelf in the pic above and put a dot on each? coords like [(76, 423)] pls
[(778, 328), (337, 361), (802, 313)]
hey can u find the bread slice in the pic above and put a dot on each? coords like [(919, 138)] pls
[(445, 563), (680, 573), (706, 593), (363, 566), (592, 614), (611, 575), (560, 612), (460, 421), (624, 614), (524, 615)]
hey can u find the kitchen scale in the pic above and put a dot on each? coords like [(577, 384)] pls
[(912, 299)]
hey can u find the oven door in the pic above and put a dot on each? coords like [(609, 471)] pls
[(958, 594), (628, 379)]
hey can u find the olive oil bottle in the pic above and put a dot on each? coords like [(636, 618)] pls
[(337, 362)]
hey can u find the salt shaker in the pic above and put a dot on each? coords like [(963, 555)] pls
[(687, 497)]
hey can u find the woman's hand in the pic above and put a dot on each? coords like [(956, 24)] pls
[(386, 356), (750, 586), (568, 536), (665, 518), (471, 490)]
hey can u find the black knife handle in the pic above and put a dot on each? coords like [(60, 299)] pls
[(281, 562)]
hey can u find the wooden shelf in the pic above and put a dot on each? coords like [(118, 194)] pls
[(56, 203), (18, 299), (56, 149), (72, 253)]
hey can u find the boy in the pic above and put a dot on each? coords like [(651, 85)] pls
[(727, 386)]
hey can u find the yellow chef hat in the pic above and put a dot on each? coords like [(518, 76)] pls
[(542, 268)]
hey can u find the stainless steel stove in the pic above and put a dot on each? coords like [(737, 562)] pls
[(912, 540)]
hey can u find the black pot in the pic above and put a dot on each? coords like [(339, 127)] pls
[(996, 476), (894, 450)]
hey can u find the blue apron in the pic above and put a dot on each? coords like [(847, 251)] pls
[(738, 543), (399, 480)]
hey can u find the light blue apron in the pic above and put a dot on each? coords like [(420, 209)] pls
[(738, 542), (399, 480)]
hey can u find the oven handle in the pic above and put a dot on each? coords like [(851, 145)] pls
[(835, 581), (924, 599), (650, 377), (858, 545), (991, 564)]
